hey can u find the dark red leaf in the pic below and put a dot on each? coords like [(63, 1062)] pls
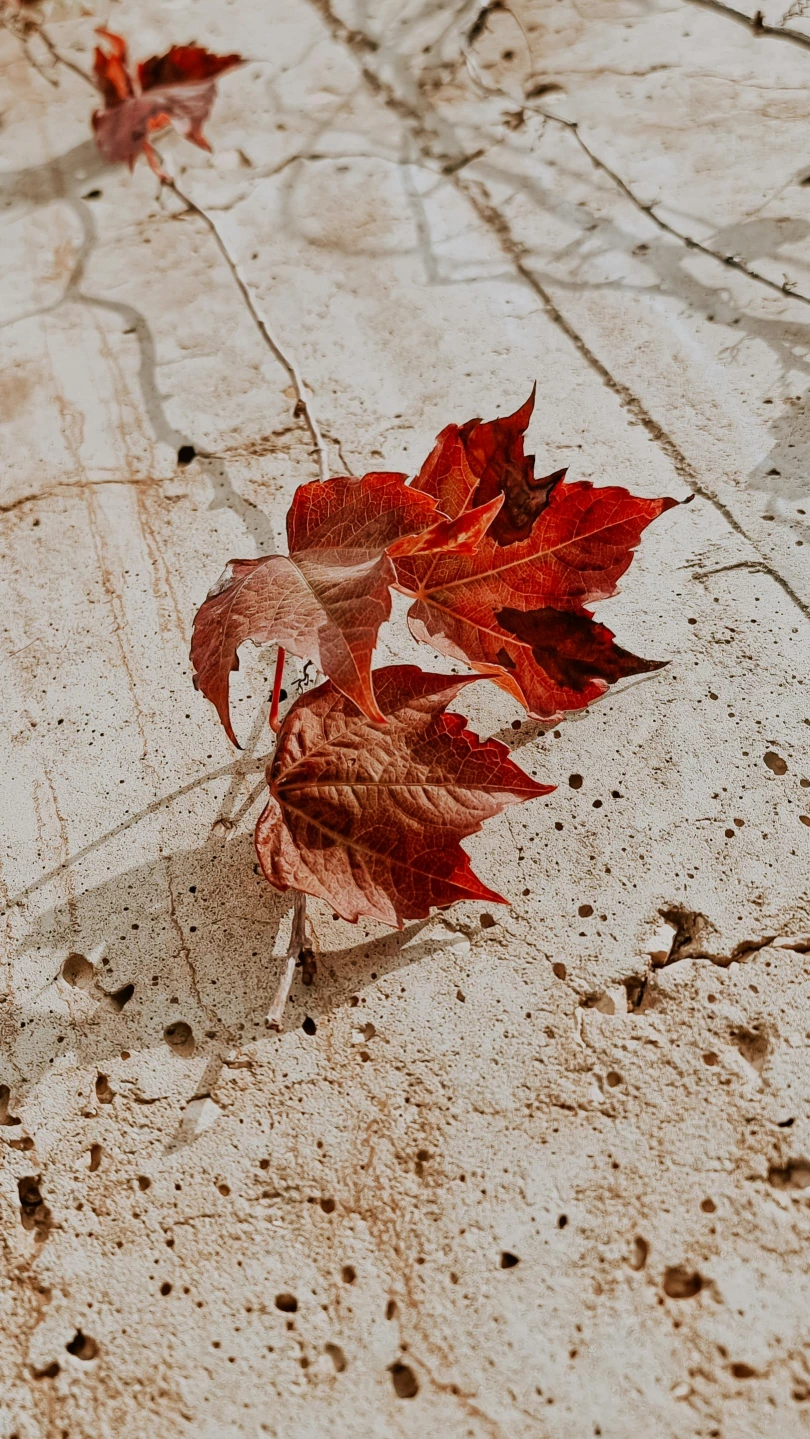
[(183, 65), (368, 817), (325, 602), (579, 545), (471, 464), (177, 89), (578, 655)]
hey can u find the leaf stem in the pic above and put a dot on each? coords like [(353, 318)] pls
[(302, 404), (277, 678), (298, 942)]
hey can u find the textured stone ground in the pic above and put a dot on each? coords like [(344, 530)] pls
[(215, 1232)]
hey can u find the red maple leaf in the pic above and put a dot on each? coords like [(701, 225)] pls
[(471, 464), (368, 817), (326, 600), (177, 88), (515, 609)]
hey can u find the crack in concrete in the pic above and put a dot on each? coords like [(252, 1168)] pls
[(760, 567), (65, 486)]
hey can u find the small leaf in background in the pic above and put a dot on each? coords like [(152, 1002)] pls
[(177, 89), (324, 602), (369, 817)]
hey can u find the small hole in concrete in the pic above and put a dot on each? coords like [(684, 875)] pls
[(186, 454), (348, 1274), (122, 996), (180, 1038), (78, 972), (309, 1026), (405, 1382), (337, 1357), (795, 1175), (508, 1261), (641, 1249), (682, 1283), (287, 1303), (49, 1372), (5, 1100), (82, 1346)]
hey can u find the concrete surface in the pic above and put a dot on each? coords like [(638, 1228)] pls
[(209, 1230)]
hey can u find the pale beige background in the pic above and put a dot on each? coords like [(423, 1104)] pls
[(425, 246)]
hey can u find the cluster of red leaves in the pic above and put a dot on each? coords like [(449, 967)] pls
[(326, 600), (373, 785), (177, 89)]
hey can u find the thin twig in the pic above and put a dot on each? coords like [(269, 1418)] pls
[(732, 262), (24, 28), (756, 23), (302, 404), (60, 59), (52, 80), (298, 943)]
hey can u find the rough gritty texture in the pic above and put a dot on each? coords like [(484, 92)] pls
[(522, 1084)]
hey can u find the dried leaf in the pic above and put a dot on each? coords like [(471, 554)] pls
[(177, 89), (471, 464), (369, 817), (327, 600), (515, 610)]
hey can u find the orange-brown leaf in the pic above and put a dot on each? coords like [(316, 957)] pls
[(369, 817), (515, 609)]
